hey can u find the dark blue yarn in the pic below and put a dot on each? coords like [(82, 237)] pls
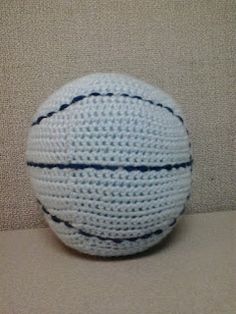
[(129, 168), (81, 97), (183, 210), (173, 222), (116, 240)]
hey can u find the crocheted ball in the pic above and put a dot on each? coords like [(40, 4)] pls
[(110, 162)]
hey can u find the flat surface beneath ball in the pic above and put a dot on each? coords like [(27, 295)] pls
[(192, 271)]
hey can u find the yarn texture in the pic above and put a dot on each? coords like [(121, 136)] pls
[(110, 163)]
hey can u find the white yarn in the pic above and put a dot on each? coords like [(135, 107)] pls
[(112, 172)]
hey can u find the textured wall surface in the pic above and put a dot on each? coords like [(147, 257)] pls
[(185, 47)]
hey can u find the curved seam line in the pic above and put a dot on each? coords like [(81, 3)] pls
[(129, 168), (76, 99), (116, 240)]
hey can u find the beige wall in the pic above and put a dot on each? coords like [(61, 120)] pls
[(185, 47)]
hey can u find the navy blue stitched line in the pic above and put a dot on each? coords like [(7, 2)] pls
[(116, 240), (81, 97), (128, 168)]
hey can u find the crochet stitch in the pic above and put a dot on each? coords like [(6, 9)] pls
[(117, 240), (110, 162)]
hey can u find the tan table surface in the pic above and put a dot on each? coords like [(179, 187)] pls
[(192, 271)]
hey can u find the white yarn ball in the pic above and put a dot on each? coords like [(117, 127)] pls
[(110, 162)]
